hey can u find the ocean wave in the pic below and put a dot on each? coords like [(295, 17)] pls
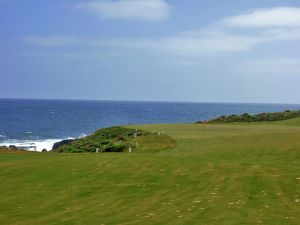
[(82, 135), (35, 145), (32, 145)]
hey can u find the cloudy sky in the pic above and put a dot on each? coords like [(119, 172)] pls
[(153, 50)]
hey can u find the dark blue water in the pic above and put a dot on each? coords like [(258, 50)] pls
[(33, 120)]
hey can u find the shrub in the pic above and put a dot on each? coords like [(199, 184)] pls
[(113, 139)]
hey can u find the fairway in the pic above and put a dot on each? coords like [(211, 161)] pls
[(224, 174)]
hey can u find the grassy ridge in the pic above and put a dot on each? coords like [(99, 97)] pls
[(217, 174), (270, 117)]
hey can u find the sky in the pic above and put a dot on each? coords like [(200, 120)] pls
[(151, 50)]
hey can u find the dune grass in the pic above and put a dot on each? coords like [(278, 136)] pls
[(230, 174)]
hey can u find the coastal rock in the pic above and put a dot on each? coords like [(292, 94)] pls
[(4, 148), (61, 143), (13, 147)]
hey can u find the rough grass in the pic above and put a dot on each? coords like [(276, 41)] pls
[(231, 174)]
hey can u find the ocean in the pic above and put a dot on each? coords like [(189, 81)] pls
[(43, 122)]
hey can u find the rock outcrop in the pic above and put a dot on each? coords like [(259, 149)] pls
[(62, 143)]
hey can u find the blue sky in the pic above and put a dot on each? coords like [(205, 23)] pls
[(153, 50)]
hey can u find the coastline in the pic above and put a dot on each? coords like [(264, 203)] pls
[(45, 122), (40, 144)]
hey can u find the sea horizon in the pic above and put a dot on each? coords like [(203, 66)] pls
[(151, 101), (43, 122)]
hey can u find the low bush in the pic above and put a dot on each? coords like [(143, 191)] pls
[(113, 139)]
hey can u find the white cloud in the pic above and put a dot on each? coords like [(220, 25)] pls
[(188, 44), (283, 34), (191, 45), (52, 41), (271, 17), (216, 39), (279, 65), (207, 42), (281, 62), (47, 55), (74, 56), (150, 10)]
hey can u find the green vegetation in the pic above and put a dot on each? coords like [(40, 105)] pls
[(277, 116), (229, 174), (119, 139)]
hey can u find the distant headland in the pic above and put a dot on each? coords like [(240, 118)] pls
[(262, 117)]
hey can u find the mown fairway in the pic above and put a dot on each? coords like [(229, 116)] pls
[(218, 174)]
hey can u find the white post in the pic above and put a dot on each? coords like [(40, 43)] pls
[(97, 150), (130, 149)]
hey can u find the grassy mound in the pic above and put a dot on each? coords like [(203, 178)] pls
[(119, 139), (270, 117)]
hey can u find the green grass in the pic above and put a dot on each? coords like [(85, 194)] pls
[(229, 174)]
